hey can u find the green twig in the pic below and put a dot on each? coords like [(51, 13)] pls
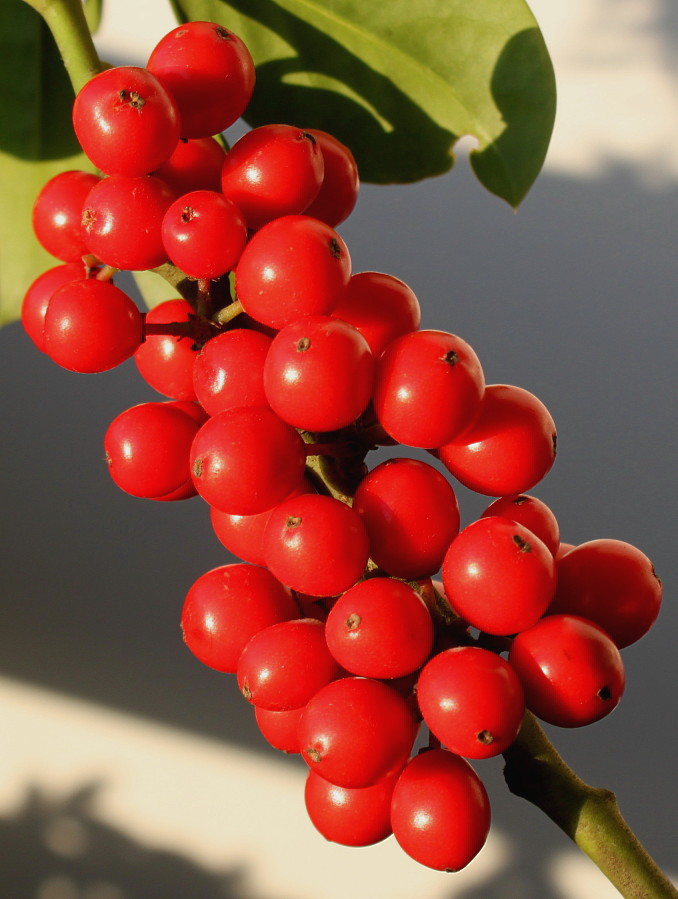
[(66, 20), (588, 815)]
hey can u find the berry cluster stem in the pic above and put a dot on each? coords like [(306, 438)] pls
[(588, 815), (66, 20)]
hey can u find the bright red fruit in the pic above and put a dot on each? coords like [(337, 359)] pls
[(411, 515), (440, 811), (279, 728), (286, 664), (38, 295), (315, 544), (229, 370), (209, 72), (380, 628), (498, 576), (122, 221), (611, 583), (431, 370), (273, 170), (91, 326), (246, 460), (355, 731), (350, 817), (571, 671), (339, 190), (293, 266), (125, 121), (531, 512), (194, 165), (510, 447), (380, 306), (318, 373), (204, 234), (227, 606), (147, 450), (472, 700), (57, 214), (164, 361)]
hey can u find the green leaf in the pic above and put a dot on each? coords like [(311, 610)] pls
[(400, 82), (153, 288), (36, 143)]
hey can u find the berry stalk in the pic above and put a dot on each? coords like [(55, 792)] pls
[(588, 815), (66, 20)]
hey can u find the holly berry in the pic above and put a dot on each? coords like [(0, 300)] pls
[(125, 121), (166, 361), (440, 812), (472, 700), (570, 669), (57, 214)]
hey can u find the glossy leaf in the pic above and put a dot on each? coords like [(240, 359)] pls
[(36, 142), (400, 82)]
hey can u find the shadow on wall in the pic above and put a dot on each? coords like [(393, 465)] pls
[(57, 849)]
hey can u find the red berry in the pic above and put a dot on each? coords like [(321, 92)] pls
[(279, 728), (472, 700), (339, 190), (227, 606), (571, 671), (350, 817), (57, 214), (272, 171), (293, 266), (510, 447), (126, 122), (611, 583), (284, 665), (204, 234), (91, 326), (38, 295), (440, 812), (355, 731), (209, 72), (380, 628), (229, 370), (433, 371), (122, 221), (381, 307), (498, 576), (246, 460), (531, 512), (147, 450), (411, 515), (194, 165), (318, 373), (164, 361), (315, 544)]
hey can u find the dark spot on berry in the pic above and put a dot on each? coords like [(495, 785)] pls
[(246, 692), (187, 214), (522, 545), (314, 754), (88, 219), (221, 32), (303, 344), (353, 621), (197, 467), (293, 521), (604, 693), (554, 438), (306, 135), (485, 737), (335, 248), (519, 500), (450, 357)]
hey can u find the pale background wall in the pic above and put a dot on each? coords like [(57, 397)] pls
[(128, 769)]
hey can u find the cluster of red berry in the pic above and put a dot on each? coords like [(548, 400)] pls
[(332, 623)]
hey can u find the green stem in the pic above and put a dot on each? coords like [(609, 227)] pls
[(588, 815), (66, 20)]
